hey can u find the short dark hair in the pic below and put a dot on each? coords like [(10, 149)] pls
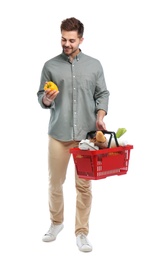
[(72, 24)]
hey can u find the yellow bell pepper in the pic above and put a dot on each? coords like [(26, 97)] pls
[(50, 86)]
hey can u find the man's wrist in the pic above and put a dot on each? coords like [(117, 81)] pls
[(100, 114), (46, 101)]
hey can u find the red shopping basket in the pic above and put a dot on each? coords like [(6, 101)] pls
[(99, 164)]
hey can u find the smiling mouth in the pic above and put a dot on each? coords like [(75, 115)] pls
[(66, 49)]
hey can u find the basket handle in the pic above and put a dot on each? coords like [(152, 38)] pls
[(92, 133)]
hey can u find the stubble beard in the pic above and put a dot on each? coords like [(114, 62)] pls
[(72, 52)]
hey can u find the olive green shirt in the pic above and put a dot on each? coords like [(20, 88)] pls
[(82, 92)]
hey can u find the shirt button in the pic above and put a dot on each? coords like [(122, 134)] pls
[(73, 76)]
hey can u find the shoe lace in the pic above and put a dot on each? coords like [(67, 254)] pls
[(84, 239), (50, 230)]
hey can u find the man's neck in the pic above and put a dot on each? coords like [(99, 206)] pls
[(74, 54)]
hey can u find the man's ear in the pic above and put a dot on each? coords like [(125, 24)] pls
[(81, 40)]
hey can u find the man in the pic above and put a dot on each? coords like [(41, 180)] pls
[(79, 106)]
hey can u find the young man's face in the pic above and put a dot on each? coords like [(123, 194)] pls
[(70, 42)]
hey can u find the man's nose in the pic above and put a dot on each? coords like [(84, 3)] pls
[(67, 43)]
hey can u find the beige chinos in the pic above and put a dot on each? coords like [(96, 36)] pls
[(58, 159)]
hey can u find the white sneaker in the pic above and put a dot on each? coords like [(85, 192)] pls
[(83, 243), (52, 232)]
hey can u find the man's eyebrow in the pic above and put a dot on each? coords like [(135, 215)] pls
[(68, 39)]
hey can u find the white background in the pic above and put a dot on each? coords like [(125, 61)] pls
[(119, 34)]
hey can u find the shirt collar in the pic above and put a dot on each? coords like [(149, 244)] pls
[(77, 57)]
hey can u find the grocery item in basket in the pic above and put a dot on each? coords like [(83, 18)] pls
[(99, 141), (87, 145), (121, 142), (119, 135), (50, 86), (120, 132)]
